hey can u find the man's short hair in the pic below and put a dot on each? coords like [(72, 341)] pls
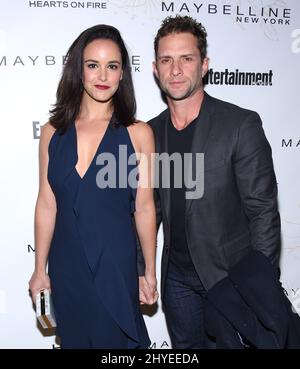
[(182, 24)]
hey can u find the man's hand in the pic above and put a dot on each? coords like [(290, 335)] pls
[(148, 290)]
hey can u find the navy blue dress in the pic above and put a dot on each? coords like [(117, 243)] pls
[(92, 258)]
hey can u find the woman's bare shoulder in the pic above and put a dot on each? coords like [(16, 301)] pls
[(141, 130), (142, 136), (47, 131)]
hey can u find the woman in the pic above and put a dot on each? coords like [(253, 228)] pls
[(92, 259)]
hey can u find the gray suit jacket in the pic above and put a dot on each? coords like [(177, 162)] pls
[(238, 210)]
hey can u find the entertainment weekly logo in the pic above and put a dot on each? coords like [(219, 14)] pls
[(238, 78), (241, 13), (51, 61)]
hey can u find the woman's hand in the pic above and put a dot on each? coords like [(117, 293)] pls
[(39, 281), (148, 289)]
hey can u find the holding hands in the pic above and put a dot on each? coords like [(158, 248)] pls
[(148, 289)]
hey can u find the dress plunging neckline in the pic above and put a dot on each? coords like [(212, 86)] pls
[(93, 157)]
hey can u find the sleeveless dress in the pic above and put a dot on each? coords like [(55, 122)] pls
[(92, 260)]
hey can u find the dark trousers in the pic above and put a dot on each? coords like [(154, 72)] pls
[(183, 307)]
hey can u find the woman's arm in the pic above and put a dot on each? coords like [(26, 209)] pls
[(45, 213), (145, 214)]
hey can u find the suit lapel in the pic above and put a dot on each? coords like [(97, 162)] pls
[(200, 139), (164, 148)]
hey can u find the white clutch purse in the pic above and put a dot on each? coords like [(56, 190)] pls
[(44, 309)]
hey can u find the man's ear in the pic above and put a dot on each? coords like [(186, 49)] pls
[(205, 65), (154, 67)]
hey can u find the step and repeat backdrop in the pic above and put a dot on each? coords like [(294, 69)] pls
[(258, 37)]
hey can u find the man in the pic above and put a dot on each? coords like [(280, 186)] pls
[(205, 236)]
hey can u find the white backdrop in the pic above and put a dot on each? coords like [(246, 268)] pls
[(258, 36)]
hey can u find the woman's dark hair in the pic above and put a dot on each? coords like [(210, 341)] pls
[(70, 88)]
